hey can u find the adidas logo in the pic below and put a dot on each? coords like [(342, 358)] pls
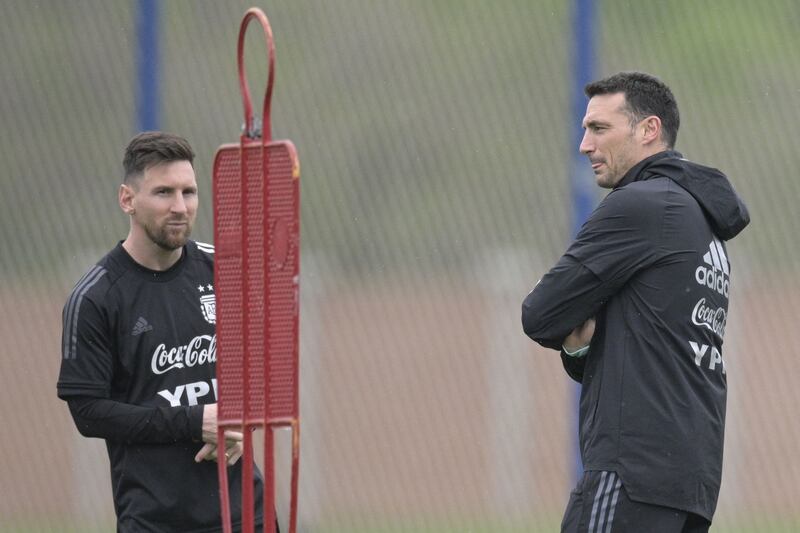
[(716, 271), (141, 326)]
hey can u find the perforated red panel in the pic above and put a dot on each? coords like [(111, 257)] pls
[(283, 200), (255, 282), (244, 242), (229, 283)]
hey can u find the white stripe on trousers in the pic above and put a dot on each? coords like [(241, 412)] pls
[(605, 501)]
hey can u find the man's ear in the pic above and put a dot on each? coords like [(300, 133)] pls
[(125, 195), (651, 127)]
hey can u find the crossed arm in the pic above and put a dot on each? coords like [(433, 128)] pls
[(118, 421), (580, 337)]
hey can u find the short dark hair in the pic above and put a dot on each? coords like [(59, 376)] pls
[(151, 148), (645, 95)]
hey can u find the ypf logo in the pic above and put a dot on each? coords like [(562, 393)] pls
[(715, 273)]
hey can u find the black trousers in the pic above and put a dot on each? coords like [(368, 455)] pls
[(600, 504)]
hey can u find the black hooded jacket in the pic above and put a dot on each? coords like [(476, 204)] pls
[(651, 265)]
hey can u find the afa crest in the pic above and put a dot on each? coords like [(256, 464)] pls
[(208, 304)]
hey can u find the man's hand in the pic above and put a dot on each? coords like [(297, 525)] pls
[(580, 336), (233, 439), (208, 452), (210, 426)]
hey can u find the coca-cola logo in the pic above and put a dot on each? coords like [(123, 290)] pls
[(201, 350), (710, 317)]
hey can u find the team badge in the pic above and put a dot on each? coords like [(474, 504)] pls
[(208, 303)]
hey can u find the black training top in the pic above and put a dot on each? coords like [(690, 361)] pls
[(651, 265), (139, 359)]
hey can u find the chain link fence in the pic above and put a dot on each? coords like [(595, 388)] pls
[(435, 148)]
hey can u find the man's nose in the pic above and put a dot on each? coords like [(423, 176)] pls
[(586, 146), (179, 204)]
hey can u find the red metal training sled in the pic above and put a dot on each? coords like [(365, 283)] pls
[(256, 276)]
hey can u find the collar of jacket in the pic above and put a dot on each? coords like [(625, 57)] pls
[(637, 172)]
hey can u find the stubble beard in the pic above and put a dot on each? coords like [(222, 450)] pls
[(606, 180), (614, 175), (169, 239)]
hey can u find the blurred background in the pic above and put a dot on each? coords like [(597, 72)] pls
[(440, 180)]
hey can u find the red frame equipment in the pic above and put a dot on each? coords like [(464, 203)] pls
[(256, 276)]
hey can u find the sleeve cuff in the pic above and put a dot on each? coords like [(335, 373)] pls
[(580, 352), (196, 422)]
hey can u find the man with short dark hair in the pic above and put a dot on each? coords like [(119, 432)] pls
[(139, 353), (637, 308)]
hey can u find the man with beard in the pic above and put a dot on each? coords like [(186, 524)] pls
[(139, 353), (637, 307)]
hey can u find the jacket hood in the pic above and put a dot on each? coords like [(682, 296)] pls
[(724, 209)]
